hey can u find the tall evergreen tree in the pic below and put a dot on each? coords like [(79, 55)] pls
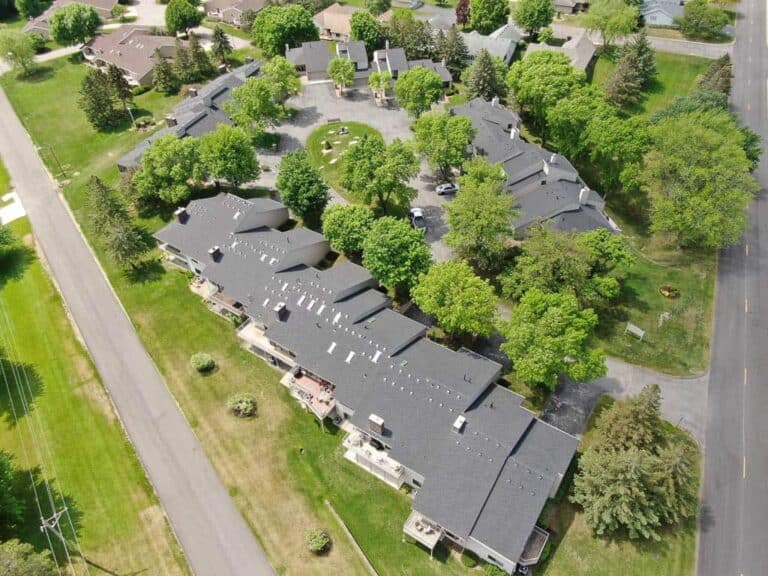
[(125, 243), (97, 99), (718, 76), (624, 87), (120, 85), (182, 63), (105, 207), (453, 50), (641, 56), (484, 81), (221, 47), (201, 63), (163, 76)]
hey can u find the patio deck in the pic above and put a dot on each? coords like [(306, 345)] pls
[(314, 395), (375, 461), (255, 341), (422, 530)]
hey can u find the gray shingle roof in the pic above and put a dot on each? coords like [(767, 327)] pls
[(312, 56), (502, 46), (197, 115), (546, 185), (673, 8), (379, 361)]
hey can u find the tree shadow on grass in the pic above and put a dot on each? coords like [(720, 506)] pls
[(14, 262), (40, 73), (146, 271), (20, 384)]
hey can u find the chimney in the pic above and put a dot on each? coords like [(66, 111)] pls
[(170, 121), (513, 133), (458, 424), (287, 47), (495, 101), (386, 44), (248, 59), (193, 92), (376, 424), (181, 215), (215, 253), (584, 195), (281, 312), (222, 68), (545, 168), (553, 158)]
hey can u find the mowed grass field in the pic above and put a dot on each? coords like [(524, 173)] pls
[(122, 527), (676, 76)]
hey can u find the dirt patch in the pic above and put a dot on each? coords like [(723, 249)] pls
[(93, 391)]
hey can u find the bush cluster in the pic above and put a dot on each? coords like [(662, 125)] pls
[(317, 540), (242, 405), (202, 362)]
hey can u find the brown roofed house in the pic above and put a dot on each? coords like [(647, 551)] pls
[(39, 24), (130, 48), (334, 22), (231, 11)]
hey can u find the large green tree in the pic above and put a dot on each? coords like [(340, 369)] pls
[(221, 47), (548, 335), (697, 176), (164, 77), (365, 27), (414, 36), (396, 254), (703, 20), (632, 423), (17, 49), (125, 243), (718, 76), (444, 139), (168, 168), (20, 559), (613, 19), (485, 16), (30, 8), (486, 77), (11, 506), (202, 67), (228, 153), (480, 217), (301, 187), (532, 15), (378, 173), (74, 23), (451, 49), (346, 227), (252, 106), (282, 78), (417, 89), (278, 26), (97, 99), (462, 302), (377, 7), (624, 86), (181, 15), (342, 72), (540, 81), (105, 206)]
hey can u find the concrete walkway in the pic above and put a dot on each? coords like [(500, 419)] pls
[(214, 536)]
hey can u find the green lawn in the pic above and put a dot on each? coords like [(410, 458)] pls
[(122, 527), (330, 161), (677, 75), (228, 28), (577, 552)]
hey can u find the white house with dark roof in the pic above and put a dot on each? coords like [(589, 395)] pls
[(663, 13), (545, 184), (481, 466)]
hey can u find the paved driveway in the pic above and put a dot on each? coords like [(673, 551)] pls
[(318, 104)]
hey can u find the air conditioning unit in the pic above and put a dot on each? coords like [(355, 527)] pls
[(458, 424)]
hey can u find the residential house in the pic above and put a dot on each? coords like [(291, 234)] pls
[(334, 23), (231, 11), (312, 58), (198, 114), (568, 6), (546, 186), (579, 49), (663, 13), (39, 24), (481, 466), (394, 61), (130, 48), (500, 43)]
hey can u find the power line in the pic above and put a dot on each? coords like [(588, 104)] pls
[(39, 437)]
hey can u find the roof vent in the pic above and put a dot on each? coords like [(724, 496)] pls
[(376, 424), (181, 215), (584, 195), (553, 158), (458, 424), (215, 253), (495, 101), (193, 92), (280, 311), (170, 121)]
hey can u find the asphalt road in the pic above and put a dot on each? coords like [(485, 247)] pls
[(214, 536), (734, 517)]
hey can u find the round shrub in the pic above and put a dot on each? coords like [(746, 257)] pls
[(492, 570), (202, 362), (242, 405), (469, 559), (38, 42), (317, 540)]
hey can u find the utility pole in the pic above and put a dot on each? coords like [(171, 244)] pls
[(56, 158), (52, 525)]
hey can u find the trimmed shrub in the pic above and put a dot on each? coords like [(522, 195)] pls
[(317, 540), (139, 90), (493, 570), (38, 42), (202, 362), (468, 559), (242, 405)]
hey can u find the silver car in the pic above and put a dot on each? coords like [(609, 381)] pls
[(447, 188)]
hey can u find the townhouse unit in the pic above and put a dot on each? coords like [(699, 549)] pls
[(132, 50), (231, 11), (312, 58), (40, 24), (198, 114), (394, 61), (335, 21), (481, 466), (546, 186)]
